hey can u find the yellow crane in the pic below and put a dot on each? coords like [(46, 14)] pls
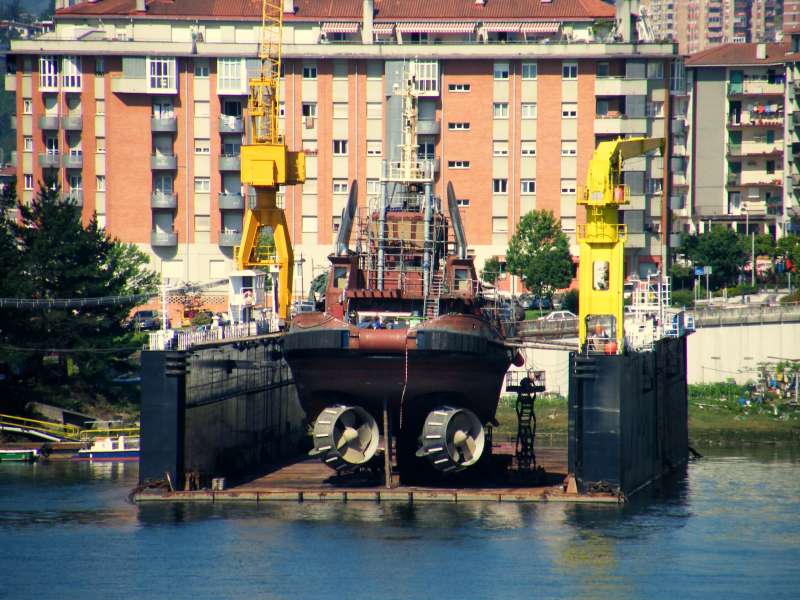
[(266, 165), (602, 243)]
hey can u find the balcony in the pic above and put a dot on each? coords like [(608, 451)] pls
[(164, 124), (229, 239), (72, 122), (75, 197), (228, 124), (620, 124), (163, 162), (795, 179), (163, 200), (431, 127), (734, 180), (755, 121), (49, 160), (72, 161), (738, 150), (635, 240), (163, 238), (619, 86), (675, 240), (755, 88), (677, 202), (679, 126), (229, 162), (48, 122), (231, 202), (796, 117)]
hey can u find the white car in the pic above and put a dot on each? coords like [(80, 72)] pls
[(559, 315)]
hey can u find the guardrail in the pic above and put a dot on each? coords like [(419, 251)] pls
[(750, 315), (172, 339), (44, 429)]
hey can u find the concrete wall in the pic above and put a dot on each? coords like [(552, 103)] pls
[(709, 142)]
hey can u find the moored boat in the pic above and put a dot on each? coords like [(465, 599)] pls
[(23, 455), (113, 448)]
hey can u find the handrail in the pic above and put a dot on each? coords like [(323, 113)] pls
[(63, 430)]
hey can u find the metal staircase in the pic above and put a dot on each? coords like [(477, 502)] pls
[(432, 300)]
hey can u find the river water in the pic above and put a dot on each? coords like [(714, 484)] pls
[(728, 528)]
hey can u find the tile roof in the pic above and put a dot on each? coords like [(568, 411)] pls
[(737, 54), (351, 9)]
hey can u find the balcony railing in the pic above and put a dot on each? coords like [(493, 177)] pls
[(229, 162), (231, 201), (72, 122), (755, 88), (229, 239), (163, 200), (163, 238), (163, 124), (428, 127), (49, 160), (73, 161), (229, 124), (163, 162), (48, 122), (75, 196)]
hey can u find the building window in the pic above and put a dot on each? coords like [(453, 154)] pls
[(28, 141), (655, 109), (770, 136), (529, 110), (501, 70), (427, 72), (100, 107), (99, 66), (462, 202), (500, 148), (500, 110), (202, 147), (529, 70), (569, 148), (202, 185), (528, 148), (569, 70), (373, 187), (527, 186), (339, 186), (458, 164), (101, 183), (281, 110), (458, 126), (770, 167), (340, 147), (459, 87), (336, 223), (310, 109), (569, 110), (309, 71), (500, 186), (568, 186), (201, 70), (48, 73), (499, 224), (27, 106), (71, 73), (426, 148), (653, 185), (161, 73), (655, 70), (603, 69), (231, 76), (28, 182), (101, 145), (374, 148), (310, 224)]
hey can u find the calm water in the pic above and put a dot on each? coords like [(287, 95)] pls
[(729, 529)]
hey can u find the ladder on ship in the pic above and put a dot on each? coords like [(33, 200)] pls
[(432, 300), (526, 385)]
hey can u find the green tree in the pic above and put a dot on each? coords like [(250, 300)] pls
[(722, 249), (318, 286), (764, 245), (59, 257), (491, 270), (788, 247), (539, 254)]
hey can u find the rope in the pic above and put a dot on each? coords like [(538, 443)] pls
[(405, 385)]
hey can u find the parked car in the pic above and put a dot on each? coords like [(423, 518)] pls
[(143, 320), (559, 315)]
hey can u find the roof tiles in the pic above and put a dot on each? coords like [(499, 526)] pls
[(737, 54)]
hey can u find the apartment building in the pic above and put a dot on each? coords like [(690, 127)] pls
[(136, 107), (738, 134)]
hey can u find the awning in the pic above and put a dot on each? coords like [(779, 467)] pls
[(539, 27), (339, 27), (502, 27), (383, 28), (433, 27)]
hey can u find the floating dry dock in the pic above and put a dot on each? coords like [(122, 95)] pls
[(310, 481)]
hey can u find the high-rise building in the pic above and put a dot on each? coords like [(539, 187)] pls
[(136, 107)]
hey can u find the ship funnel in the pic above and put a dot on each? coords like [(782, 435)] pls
[(455, 218), (345, 437), (348, 215), (452, 439)]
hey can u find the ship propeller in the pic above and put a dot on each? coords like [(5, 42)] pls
[(452, 439), (345, 437)]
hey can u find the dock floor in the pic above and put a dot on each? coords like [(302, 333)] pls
[(310, 480)]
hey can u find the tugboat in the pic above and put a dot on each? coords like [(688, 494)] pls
[(404, 346)]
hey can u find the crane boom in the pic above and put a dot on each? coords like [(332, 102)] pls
[(266, 165), (602, 243)]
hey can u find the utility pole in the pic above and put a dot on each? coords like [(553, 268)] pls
[(753, 260)]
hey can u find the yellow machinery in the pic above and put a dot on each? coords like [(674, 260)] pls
[(266, 165), (602, 241)]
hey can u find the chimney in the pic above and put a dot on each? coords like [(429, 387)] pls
[(368, 11), (761, 51), (288, 6), (141, 5)]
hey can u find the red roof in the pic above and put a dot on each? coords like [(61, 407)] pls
[(737, 54), (351, 9), (7, 172)]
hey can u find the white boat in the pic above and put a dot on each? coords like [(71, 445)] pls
[(119, 447)]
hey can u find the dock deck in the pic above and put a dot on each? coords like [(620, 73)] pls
[(311, 481)]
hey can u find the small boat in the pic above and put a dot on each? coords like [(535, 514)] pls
[(120, 447), (30, 455)]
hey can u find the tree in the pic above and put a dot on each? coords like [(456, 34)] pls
[(491, 270), (55, 256), (722, 249), (539, 254), (788, 248)]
